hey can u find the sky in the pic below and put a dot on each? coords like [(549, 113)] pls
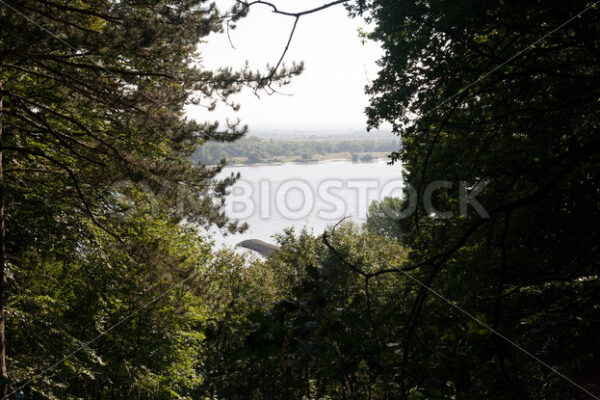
[(338, 65)]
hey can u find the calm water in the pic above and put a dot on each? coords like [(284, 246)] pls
[(272, 197)]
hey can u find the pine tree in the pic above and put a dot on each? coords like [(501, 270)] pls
[(92, 97)]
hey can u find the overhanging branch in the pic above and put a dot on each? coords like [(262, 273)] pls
[(296, 15)]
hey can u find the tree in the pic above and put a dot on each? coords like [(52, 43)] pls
[(91, 110), (254, 158), (324, 332), (366, 158), (502, 95), (383, 217)]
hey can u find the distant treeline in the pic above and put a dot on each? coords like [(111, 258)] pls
[(254, 150)]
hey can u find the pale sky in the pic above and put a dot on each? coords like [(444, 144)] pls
[(338, 65)]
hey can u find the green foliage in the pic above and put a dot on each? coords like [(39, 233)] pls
[(528, 130), (256, 150), (348, 323), (383, 217), (324, 334), (62, 300), (101, 195)]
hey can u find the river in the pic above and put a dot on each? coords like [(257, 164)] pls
[(312, 195)]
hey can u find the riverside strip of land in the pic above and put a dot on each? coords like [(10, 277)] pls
[(254, 150)]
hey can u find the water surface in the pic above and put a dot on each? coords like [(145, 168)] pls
[(273, 197)]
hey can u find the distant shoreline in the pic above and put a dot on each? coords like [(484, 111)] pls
[(303, 162), (325, 158)]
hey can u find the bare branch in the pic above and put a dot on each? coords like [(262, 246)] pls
[(292, 14), (295, 15), (229, 36), (287, 46)]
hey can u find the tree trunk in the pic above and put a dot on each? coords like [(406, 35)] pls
[(3, 372)]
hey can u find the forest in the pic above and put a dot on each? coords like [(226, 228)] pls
[(252, 150), (109, 291)]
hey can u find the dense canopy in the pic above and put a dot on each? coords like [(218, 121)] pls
[(96, 179), (111, 289)]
